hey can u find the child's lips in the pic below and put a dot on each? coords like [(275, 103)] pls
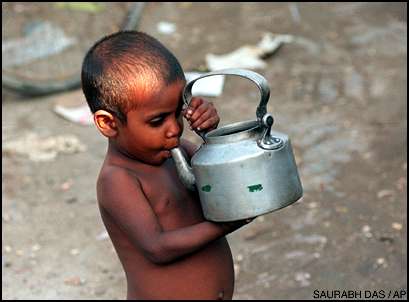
[(172, 146), (167, 153)]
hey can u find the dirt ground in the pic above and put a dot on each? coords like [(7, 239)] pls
[(339, 91)]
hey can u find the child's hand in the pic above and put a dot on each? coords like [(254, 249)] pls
[(234, 225), (201, 115)]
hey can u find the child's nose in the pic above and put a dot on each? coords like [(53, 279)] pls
[(175, 129)]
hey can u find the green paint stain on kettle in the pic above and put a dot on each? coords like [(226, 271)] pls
[(207, 188), (255, 188)]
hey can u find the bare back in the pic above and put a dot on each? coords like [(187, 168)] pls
[(155, 215)]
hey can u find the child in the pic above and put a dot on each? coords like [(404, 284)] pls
[(134, 86)]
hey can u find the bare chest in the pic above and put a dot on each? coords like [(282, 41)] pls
[(172, 203)]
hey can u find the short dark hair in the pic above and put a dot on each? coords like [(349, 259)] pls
[(121, 62)]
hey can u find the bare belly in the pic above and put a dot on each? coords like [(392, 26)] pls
[(207, 274)]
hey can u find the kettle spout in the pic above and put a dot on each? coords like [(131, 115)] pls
[(183, 169)]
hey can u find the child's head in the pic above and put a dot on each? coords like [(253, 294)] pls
[(134, 85), (121, 68)]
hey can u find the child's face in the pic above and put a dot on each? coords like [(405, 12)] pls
[(155, 126)]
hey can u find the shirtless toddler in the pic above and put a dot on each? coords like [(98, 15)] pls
[(134, 86)]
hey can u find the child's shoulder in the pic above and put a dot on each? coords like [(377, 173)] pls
[(115, 174), (113, 179)]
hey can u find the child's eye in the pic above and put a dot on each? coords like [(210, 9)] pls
[(156, 121)]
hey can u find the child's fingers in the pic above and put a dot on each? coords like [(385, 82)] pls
[(195, 102), (193, 105), (210, 123), (201, 114), (209, 119), (202, 118), (197, 113)]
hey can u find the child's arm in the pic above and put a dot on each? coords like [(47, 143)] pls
[(121, 196)]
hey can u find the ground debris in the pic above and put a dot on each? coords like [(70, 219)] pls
[(387, 239), (40, 149), (166, 28), (36, 247), (102, 236), (74, 281), (6, 217), (366, 230), (81, 6), (397, 226), (401, 184), (236, 269), (65, 186), (44, 39), (380, 262), (74, 252), (249, 56), (384, 193), (303, 278)]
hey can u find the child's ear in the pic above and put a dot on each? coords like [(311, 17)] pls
[(106, 123)]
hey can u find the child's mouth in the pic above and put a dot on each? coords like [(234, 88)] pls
[(167, 153), (176, 144)]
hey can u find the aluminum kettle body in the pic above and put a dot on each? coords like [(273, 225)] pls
[(242, 170)]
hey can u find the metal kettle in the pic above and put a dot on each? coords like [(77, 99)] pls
[(242, 170)]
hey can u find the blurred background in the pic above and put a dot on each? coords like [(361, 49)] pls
[(338, 80)]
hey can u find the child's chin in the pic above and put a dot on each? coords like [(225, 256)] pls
[(161, 158)]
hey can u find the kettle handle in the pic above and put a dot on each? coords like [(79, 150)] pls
[(259, 80)]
